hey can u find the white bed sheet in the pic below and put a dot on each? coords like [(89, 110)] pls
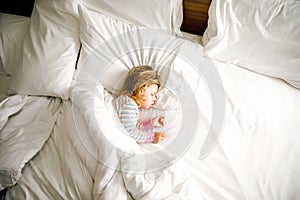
[(192, 37), (257, 154), (256, 157), (260, 136)]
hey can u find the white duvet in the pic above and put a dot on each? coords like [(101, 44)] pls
[(256, 157), (65, 169), (243, 145), (231, 133), (257, 154)]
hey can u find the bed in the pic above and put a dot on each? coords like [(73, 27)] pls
[(230, 97)]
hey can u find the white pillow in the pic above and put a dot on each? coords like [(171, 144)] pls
[(12, 31), (97, 28), (165, 14), (50, 50), (262, 36)]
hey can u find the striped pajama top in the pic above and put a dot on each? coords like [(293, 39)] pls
[(128, 114)]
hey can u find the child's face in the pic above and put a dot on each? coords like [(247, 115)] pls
[(149, 96)]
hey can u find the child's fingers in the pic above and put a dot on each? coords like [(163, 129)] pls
[(162, 136), (159, 136), (138, 125), (161, 120), (158, 121)]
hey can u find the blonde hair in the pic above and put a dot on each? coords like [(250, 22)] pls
[(137, 79)]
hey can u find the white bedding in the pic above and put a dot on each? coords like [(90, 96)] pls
[(231, 133), (4, 83), (257, 156), (64, 168), (263, 35)]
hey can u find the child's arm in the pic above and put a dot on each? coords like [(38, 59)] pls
[(128, 114), (148, 125)]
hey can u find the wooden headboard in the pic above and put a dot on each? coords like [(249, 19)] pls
[(195, 15)]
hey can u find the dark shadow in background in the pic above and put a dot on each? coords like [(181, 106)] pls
[(17, 7)]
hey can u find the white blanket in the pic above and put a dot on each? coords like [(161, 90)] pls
[(256, 156), (25, 125), (64, 168), (84, 154)]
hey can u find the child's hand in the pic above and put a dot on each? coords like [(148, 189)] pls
[(158, 121), (158, 136), (139, 125)]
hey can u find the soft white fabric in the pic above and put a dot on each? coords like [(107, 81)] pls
[(63, 168), (67, 168), (25, 125), (119, 151), (12, 32), (96, 28), (4, 84), (165, 14), (262, 36), (10, 106), (47, 62), (192, 37), (260, 136), (256, 156), (1, 64)]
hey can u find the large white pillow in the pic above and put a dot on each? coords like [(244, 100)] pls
[(50, 50), (97, 28), (262, 36), (165, 14), (12, 31)]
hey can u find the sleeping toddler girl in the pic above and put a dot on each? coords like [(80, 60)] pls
[(139, 92)]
